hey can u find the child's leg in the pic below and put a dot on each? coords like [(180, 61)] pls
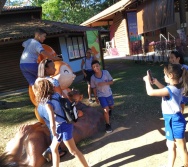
[(106, 115), (70, 144), (171, 152), (181, 145), (55, 154), (89, 90)]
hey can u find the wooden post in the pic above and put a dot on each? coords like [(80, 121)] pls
[(182, 12)]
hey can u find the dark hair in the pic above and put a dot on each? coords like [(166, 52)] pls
[(40, 31), (178, 54), (41, 68), (180, 74), (74, 92), (95, 62)]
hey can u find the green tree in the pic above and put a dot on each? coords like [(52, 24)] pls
[(71, 11)]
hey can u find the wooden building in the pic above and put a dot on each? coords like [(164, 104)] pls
[(135, 21), (17, 24)]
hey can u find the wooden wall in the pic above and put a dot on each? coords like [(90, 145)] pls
[(121, 34)]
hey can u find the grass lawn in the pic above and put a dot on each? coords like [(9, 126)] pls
[(128, 89)]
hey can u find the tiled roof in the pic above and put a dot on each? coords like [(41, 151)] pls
[(22, 30), (18, 8)]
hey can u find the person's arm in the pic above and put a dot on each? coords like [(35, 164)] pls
[(105, 83), (82, 65), (157, 83), (95, 95), (154, 92), (50, 56), (51, 118)]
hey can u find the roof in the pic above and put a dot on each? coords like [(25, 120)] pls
[(105, 17), (22, 30), (19, 8)]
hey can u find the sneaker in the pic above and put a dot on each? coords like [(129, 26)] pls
[(108, 128), (91, 101), (47, 155)]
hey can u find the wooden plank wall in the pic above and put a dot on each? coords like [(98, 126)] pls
[(121, 36)]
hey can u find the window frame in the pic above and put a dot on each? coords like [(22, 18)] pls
[(74, 39)]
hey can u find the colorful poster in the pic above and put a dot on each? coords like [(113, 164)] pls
[(93, 42), (132, 27)]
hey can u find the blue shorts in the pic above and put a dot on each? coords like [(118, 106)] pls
[(106, 101), (30, 72), (175, 125), (184, 100), (65, 131)]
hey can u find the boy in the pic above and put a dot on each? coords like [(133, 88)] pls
[(100, 82), (32, 49)]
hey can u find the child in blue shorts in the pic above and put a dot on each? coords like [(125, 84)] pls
[(100, 82), (60, 129), (171, 98), (32, 49)]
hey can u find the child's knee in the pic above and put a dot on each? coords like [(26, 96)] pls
[(170, 145), (74, 152)]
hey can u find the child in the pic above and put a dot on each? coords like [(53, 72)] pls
[(32, 49), (171, 97), (88, 72), (61, 130), (45, 70), (75, 96), (100, 82), (177, 58)]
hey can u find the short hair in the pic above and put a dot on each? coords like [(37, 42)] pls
[(95, 62), (40, 31)]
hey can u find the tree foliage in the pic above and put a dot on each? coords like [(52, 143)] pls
[(72, 11), (68, 11)]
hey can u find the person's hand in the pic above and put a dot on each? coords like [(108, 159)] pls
[(56, 58), (101, 83), (85, 74), (154, 81), (146, 78), (97, 100)]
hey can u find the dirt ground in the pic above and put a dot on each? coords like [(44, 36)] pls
[(134, 142)]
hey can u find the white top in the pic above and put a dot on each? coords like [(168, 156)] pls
[(88, 63), (171, 104), (32, 49), (102, 91)]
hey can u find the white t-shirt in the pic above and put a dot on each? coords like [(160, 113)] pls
[(102, 91), (32, 48), (171, 104)]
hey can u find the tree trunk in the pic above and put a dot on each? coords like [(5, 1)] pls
[(2, 3)]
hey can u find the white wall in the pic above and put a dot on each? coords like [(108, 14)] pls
[(75, 64)]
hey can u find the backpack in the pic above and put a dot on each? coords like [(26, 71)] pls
[(69, 109)]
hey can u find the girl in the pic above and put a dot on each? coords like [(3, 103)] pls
[(60, 129), (45, 70), (88, 71), (171, 97), (177, 58)]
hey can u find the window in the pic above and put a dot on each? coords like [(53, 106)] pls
[(76, 47)]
